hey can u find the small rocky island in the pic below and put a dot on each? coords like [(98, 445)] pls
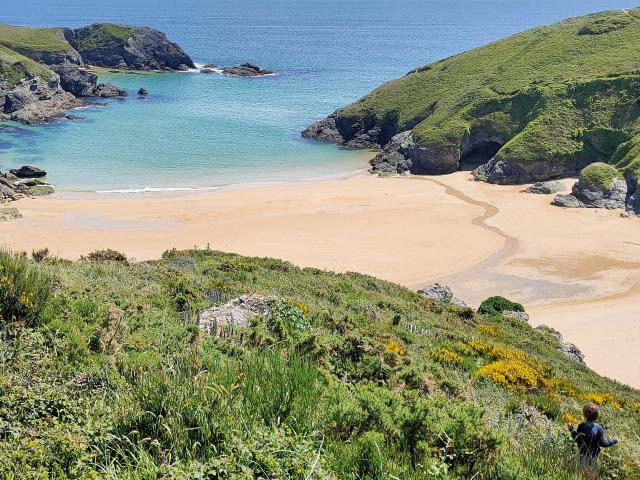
[(243, 70), (539, 105)]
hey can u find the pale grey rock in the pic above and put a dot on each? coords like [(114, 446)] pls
[(442, 294), (522, 316), (9, 213), (234, 314)]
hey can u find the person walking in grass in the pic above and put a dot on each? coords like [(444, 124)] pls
[(589, 437)]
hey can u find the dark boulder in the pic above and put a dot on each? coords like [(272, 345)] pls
[(27, 171), (142, 92)]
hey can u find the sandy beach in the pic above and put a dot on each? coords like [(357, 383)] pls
[(576, 270)]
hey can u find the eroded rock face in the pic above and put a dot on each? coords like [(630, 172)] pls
[(546, 188), (393, 158), (324, 130), (145, 49), (79, 82), (36, 100)]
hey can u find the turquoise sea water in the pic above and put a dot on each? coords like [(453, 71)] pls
[(207, 131)]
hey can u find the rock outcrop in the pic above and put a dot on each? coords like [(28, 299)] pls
[(546, 188), (442, 294), (569, 349), (233, 314), (12, 188), (600, 185), (138, 48), (522, 316)]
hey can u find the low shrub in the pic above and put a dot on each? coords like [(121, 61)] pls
[(107, 255), (497, 305)]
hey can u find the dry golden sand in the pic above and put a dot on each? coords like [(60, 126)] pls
[(577, 270)]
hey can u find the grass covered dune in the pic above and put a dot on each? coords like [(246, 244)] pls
[(104, 375), (539, 104)]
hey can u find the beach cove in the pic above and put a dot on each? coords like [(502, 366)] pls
[(575, 270)]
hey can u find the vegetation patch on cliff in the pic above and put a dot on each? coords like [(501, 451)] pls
[(106, 374), (15, 67), (102, 35)]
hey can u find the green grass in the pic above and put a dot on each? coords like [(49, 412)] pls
[(37, 39), (599, 175), (101, 35), (110, 380), (14, 67), (551, 94)]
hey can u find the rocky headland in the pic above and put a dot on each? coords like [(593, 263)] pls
[(38, 84), (510, 111)]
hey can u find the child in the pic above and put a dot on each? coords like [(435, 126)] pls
[(589, 437)]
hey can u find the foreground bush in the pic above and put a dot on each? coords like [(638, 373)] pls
[(23, 290), (348, 377)]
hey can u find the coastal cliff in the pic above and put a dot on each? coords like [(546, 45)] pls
[(540, 104)]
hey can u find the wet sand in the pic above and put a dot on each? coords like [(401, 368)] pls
[(576, 270)]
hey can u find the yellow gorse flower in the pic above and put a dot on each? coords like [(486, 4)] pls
[(447, 357), (393, 346)]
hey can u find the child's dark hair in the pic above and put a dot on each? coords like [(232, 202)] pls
[(590, 412)]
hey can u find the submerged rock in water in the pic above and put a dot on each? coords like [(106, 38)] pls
[(546, 188), (108, 90), (142, 92), (28, 171), (244, 70)]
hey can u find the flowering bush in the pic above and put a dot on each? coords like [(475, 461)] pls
[(491, 330), (514, 374), (23, 290), (447, 357)]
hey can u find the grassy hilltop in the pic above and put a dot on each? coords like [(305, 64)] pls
[(348, 377), (551, 99)]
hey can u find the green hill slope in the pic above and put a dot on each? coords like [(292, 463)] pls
[(105, 374), (549, 101)]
